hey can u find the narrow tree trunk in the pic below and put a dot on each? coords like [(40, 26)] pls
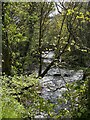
[(0, 39), (6, 65), (88, 45), (89, 97), (40, 41), (30, 24), (56, 60)]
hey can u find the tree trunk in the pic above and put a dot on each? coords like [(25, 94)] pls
[(40, 40), (6, 65), (56, 60), (88, 45), (0, 39)]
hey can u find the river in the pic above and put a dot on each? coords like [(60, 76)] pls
[(54, 82)]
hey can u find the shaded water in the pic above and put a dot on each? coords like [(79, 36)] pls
[(54, 82)]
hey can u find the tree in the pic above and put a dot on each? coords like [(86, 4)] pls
[(45, 10), (6, 65)]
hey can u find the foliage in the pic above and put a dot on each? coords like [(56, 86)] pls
[(30, 29), (26, 40), (74, 100), (11, 108), (20, 102), (30, 103)]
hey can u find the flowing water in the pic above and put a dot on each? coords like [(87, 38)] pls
[(54, 82)]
